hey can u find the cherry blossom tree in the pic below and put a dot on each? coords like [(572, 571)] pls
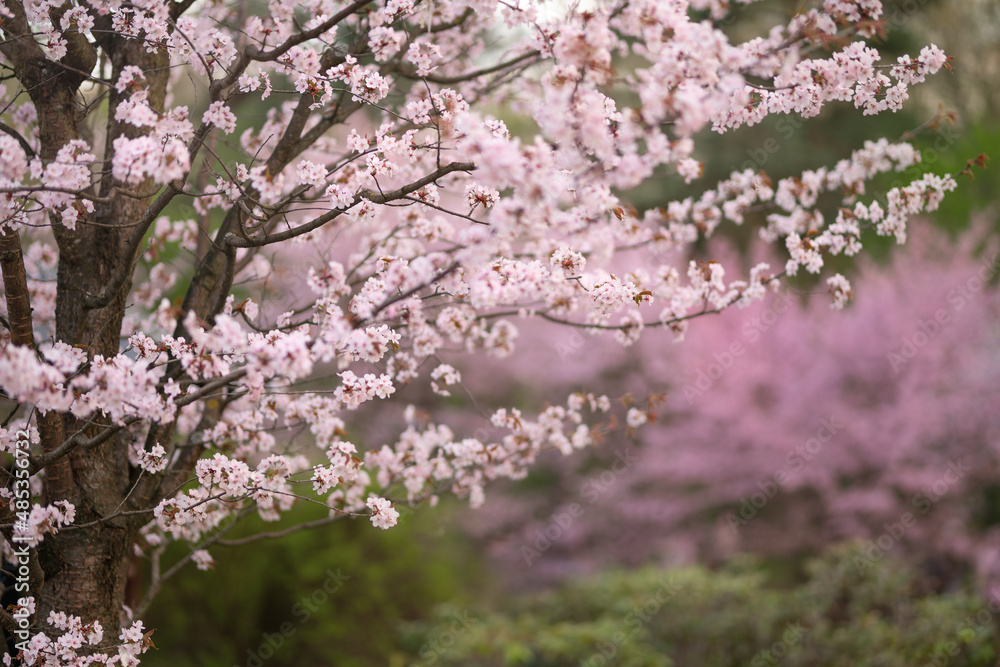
[(188, 283)]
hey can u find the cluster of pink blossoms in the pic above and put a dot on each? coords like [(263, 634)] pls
[(78, 644)]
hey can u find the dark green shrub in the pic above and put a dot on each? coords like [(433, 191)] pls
[(329, 596), (851, 610)]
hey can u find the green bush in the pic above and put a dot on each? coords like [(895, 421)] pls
[(850, 610), (329, 596)]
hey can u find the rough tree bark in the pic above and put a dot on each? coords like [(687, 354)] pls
[(84, 573)]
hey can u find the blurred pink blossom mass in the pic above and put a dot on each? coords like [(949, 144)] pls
[(786, 426)]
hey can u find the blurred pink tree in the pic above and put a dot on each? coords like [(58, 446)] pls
[(787, 427)]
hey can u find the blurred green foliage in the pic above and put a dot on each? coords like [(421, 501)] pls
[(854, 607), (976, 193), (331, 595)]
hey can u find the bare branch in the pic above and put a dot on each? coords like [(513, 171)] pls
[(377, 198), (15, 282), (28, 150), (275, 534), (475, 74)]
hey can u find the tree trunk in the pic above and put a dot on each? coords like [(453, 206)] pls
[(85, 570)]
